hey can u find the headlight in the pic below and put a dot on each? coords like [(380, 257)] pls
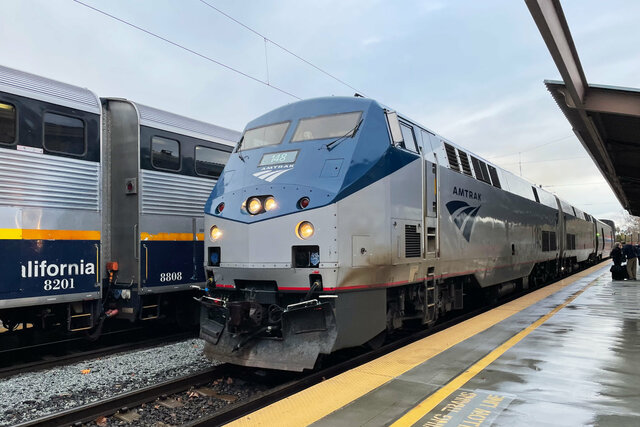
[(215, 233), (254, 206), (304, 230), (270, 204)]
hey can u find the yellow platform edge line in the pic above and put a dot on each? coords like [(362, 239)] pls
[(424, 407), (320, 400), (32, 234)]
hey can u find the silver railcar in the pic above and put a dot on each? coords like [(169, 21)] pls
[(100, 204)]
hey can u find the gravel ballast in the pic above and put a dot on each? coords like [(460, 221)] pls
[(29, 396)]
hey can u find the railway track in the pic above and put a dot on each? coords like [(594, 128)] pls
[(286, 384), (49, 355), (91, 411), (282, 384)]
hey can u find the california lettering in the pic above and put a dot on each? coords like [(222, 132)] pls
[(43, 269)]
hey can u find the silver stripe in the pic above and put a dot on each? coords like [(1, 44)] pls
[(275, 175), (165, 193), (262, 174), (50, 299), (42, 180), (36, 87)]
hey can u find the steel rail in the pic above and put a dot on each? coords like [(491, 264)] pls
[(91, 411), (93, 353)]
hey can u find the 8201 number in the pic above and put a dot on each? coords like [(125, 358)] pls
[(57, 284)]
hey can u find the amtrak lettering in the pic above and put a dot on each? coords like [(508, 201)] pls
[(467, 193), (42, 269), (463, 215), (269, 173)]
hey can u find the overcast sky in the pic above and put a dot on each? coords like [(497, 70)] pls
[(470, 70)]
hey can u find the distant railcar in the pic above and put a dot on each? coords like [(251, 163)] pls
[(86, 181), (337, 220)]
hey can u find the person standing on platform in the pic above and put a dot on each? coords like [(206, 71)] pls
[(616, 255), (632, 260)]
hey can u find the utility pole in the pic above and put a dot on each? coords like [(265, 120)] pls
[(520, 162)]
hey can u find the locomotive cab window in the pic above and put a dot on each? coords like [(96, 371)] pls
[(323, 127), (263, 136), (7, 123), (409, 139), (165, 153), (64, 134), (210, 162)]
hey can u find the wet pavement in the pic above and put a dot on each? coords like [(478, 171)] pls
[(581, 366), (569, 355)]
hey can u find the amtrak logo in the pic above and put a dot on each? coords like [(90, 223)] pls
[(464, 216), (269, 174)]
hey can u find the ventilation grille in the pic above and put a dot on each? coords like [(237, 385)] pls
[(46, 181), (464, 161), (411, 242), (172, 194), (451, 155)]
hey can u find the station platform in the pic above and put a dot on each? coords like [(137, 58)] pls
[(567, 354)]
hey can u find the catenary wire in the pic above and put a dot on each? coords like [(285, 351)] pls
[(186, 49), (531, 148), (280, 46), (545, 161)]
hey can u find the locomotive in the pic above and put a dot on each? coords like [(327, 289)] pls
[(336, 220), (100, 205)]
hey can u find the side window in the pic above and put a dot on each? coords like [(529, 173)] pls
[(409, 139), (7, 123), (165, 153), (64, 134), (210, 162)]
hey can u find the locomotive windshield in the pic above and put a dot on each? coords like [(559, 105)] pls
[(323, 127), (263, 136)]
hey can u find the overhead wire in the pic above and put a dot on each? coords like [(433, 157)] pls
[(178, 45), (280, 46), (545, 161), (532, 148)]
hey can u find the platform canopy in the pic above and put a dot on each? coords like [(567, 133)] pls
[(605, 119)]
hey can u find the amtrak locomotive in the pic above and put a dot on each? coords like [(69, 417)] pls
[(337, 220), (100, 205)]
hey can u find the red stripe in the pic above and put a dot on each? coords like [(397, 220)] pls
[(391, 284), (220, 285), (403, 282)]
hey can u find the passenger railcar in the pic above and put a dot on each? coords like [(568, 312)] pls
[(337, 220), (86, 181)]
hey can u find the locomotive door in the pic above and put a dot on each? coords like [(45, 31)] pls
[(430, 191)]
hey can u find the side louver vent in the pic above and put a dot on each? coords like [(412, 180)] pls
[(411, 242), (451, 156)]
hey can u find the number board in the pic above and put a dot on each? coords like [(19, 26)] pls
[(279, 158)]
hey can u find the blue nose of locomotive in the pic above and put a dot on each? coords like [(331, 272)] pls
[(303, 156)]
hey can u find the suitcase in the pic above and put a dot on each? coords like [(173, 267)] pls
[(618, 272)]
